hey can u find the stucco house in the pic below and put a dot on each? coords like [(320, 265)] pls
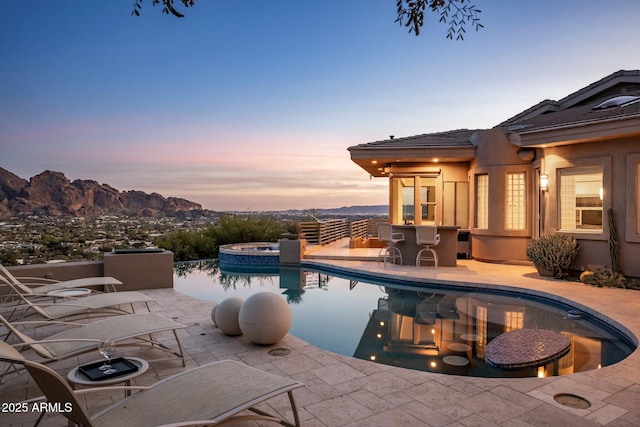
[(556, 167)]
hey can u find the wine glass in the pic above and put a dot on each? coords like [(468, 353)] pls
[(107, 349)]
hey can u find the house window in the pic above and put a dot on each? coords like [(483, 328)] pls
[(482, 201), (516, 201), (409, 206), (580, 199), (481, 330), (513, 320)]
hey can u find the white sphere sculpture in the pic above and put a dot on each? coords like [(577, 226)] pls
[(226, 316), (213, 313), (265, 318)]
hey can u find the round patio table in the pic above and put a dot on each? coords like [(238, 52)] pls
[(70, 292), (526, 348)]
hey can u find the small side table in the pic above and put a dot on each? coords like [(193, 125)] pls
[(70, 292), (76, 378)]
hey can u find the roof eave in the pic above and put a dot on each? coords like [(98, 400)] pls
[(373, 160), (578, 132)]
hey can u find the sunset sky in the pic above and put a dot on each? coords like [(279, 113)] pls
[(251, 105)]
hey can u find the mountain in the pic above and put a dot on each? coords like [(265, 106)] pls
[(53, 194)]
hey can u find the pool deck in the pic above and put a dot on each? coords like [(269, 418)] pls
[(343, 391)]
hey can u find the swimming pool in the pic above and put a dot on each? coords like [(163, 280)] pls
[(429, 328)]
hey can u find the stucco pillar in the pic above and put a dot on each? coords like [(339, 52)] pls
[(140, 269), (292, 251)]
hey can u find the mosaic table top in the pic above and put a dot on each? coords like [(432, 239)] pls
[(526, 347)]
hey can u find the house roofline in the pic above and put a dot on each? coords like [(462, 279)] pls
[(578, 132), (575, 98)]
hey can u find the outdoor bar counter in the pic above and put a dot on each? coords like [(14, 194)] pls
[(447, 249)]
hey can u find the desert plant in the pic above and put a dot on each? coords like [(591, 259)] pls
[(607, 278), (613, 243), (588, 277), (553, 252)]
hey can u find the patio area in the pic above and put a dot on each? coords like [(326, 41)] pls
[(344, 391)]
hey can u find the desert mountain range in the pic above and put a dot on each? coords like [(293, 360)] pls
[(53, 194)]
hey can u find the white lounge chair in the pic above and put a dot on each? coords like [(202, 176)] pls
[(41, 286), (99, 304), (127, 330), (207, 395)]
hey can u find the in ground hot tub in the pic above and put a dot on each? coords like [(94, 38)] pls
[(249, 256)]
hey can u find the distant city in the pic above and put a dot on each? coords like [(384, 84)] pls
[(35, 239)]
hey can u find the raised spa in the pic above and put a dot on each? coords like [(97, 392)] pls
[(245, 256)]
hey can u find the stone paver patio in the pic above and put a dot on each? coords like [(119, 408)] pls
[(343, 391)]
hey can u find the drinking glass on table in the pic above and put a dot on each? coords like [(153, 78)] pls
[(107, 349)]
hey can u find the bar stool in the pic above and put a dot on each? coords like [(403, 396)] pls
[(427, 236), (386, 235)]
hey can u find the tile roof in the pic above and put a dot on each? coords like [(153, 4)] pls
[(577, 108), (461, 138), (575, 115)]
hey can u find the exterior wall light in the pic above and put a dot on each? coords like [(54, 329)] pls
[(544, 182)]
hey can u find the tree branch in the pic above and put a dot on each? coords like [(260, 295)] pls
[(456, 13)]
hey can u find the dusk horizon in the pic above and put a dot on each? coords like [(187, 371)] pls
[(282, 209), (253, 106)]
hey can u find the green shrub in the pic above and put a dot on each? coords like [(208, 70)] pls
[(246, 228), (204, 244), (553, 252)]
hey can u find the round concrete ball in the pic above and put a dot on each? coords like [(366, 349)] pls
[(213, 313), (265, 318), (226, 316)]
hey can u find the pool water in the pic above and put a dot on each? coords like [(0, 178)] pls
[(426, 328)]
